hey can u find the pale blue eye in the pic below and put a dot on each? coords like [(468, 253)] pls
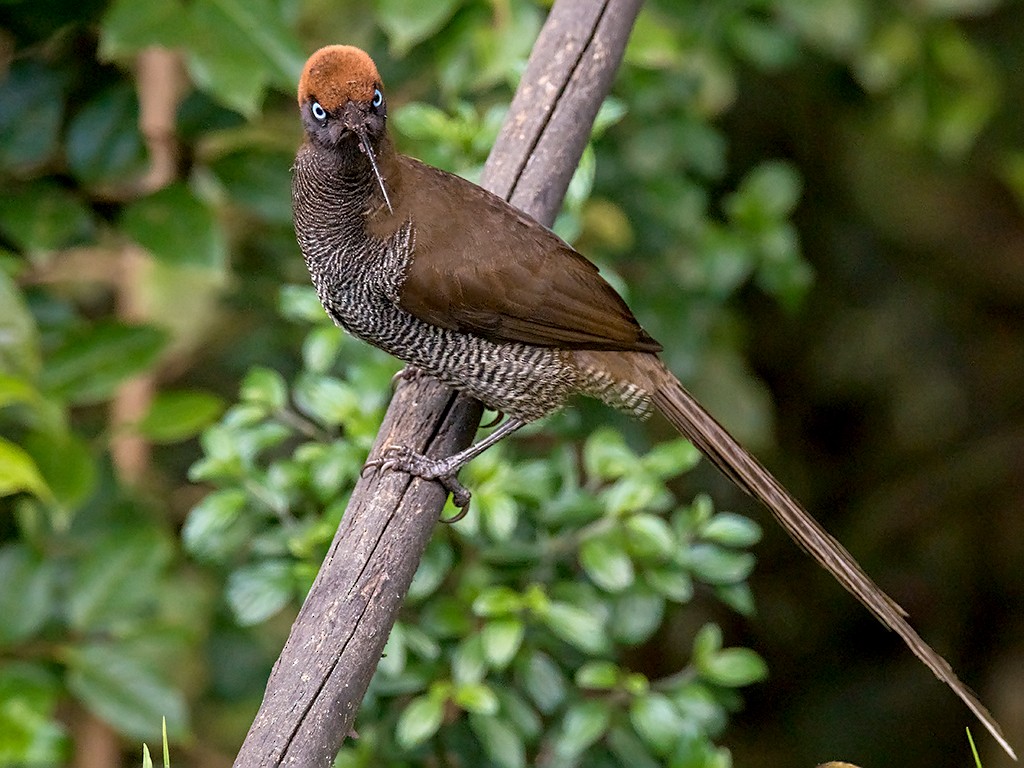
[(378, 97), (318, 112)]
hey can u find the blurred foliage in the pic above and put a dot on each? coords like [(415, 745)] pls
[(544, 629), (510, 639)]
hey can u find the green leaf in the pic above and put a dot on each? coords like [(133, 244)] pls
[(649, 537), (543, 681), (633, 493), (670, 459), (14, 390), (769, 192), (299, 303), (783, 272), (30, 122), (19, 352), (116, 577), (266, 387), (714, 565), (421, 644), (731, 530), (610, 113), (28, 594), (128, 26), (216, 528), (329, 400), (394, 657), (501, 641), (499, 50), (733, 667), (729, 259), (238, 47), (653, 43), (425, 122), (103, 143), (519, 713), (408, 22), (584, 723), (468, 662), (502, 743), (701, 509), (320, 349), (176, 227), (606, 456), (598, 675), (631, 751), (223, 458), (739, 597), (40, 216), (706, 643), (475, 697), (657, 721), (30, 733), (636, 616), (259, 180), (577, 627), (115, 683), (257, 592), (174, 416), (419, 721), (497, 601), (18, 472), (698, 704), (606, 563), (91, 363), (499, 512), (674, 584), (66, 463), (767, 44), (435, 565), (333, 471), (232, 451), (200, 116)]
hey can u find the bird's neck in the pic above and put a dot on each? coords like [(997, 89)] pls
[(343, 178), (339, 210)]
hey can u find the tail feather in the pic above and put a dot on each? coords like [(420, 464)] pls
[(698, 426)]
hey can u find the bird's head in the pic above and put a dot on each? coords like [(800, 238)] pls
[(341, 101), (340, 96)]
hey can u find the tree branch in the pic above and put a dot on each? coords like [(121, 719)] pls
[(320, 678)]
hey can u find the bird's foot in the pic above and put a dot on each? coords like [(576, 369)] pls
[(399, 458), (409, 373), (498, 418)]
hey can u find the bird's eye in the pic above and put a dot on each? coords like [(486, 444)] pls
[(318, 112), (378, 97)]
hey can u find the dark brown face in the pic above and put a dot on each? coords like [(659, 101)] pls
[(357, 121)]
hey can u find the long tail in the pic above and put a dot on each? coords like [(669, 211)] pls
[(698, 426)]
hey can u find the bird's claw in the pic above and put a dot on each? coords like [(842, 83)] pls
[(409, 373), (498, 418), (399, 458)]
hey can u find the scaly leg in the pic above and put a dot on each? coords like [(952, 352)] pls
[(401, 459)]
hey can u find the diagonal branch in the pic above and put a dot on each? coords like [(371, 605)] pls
[(320, 678)]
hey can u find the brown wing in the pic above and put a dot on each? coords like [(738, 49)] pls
[(488, 269)]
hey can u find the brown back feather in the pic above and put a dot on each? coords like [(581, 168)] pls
[(488, 269)]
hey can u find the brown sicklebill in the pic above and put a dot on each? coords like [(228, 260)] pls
[(460, 285)]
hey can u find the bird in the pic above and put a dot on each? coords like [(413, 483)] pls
[(461, 286)]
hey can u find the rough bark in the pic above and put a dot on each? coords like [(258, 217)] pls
[(320, 678)]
